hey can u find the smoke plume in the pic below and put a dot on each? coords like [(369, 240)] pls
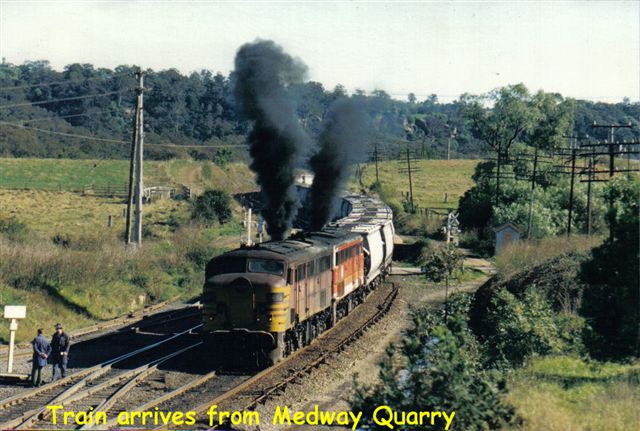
[(263, 71), (342, 142)]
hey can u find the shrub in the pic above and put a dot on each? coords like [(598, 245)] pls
[(212, 205), (14, 229), (436, 366), (222, 157), (518, 329), (611, 298)]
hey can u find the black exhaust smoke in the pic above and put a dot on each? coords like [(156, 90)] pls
[(342, 142), (263, 71)]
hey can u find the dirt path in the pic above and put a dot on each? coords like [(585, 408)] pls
[(329, 387)]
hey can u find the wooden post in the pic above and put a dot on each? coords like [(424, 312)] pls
[(134, 144), (137, 237)]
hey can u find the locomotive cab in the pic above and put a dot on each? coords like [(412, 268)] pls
[(246, 300)]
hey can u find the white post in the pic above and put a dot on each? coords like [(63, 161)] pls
[(249, 243), (13, 327)]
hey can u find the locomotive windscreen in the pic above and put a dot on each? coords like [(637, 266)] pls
[(226, 265), (266, 266)]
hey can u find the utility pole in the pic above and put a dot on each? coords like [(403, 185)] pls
[(139, 162), (589, 182), (410, 181), (497, 198), (573, 176), (134, 145), (375, 155), (533, 188), (612, 157), (611, 141), (452, 135), (410, 170)]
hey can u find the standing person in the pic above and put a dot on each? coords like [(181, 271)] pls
[(41, 351), (60, 343)]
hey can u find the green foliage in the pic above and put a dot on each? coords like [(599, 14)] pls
[(14, 229), (520, 328), (531, 307), (437, 365), (222, 157), (198, 108), (513, 113), (479, 211), (445, 262), (611, 301), (212, 205)]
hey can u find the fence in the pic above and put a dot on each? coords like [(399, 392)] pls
[(92, 189)]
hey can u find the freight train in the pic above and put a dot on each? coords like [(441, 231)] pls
[(264, 302)]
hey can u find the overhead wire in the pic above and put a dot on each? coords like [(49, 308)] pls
[(63, 99), (75, 135), (30, 120), (47, 84)]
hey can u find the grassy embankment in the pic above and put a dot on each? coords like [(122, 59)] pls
[(567, 392), (432, 179), (70, 266), (67, 265)]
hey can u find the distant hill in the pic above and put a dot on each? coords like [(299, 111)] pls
[(86, 112)]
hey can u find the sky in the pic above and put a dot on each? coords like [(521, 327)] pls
[(582, 49)]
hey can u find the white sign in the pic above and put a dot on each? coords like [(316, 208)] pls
[(15, 311)]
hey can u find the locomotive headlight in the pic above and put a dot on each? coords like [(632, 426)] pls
[(277, 297)]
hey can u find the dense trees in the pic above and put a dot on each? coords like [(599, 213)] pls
[(437, 364), (199, 109), (211, 206), (611, 300)]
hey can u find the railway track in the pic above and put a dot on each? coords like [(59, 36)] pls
[(272, 381), (134, 322), (236, 392), (99, 386)]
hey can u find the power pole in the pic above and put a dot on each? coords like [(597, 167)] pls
[(410, 181), (139, 161), (497, 198), (452, 135), (612, 157), (589, 181), (134, 145), (375, 155), (409, 169), (573, 176), (533, 188), (611, 141)]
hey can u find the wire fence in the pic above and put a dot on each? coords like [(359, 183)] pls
[(109, 190)]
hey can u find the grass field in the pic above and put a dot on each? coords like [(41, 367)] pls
[(54, 174), (563, 393), (432, 179), (70, 266)]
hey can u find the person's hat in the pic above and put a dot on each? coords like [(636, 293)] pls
[(58, 326)]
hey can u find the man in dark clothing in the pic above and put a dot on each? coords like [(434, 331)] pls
[(41, 351), (60, 343)]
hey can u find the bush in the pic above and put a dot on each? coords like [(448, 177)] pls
[(474, 241), (611, 298), (212, 205), (518, 329), (436, 365), (14, 229)]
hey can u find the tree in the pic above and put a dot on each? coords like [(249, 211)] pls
[(611, 300), (444, 264), (212, 205), (511, 114), (437, 364)]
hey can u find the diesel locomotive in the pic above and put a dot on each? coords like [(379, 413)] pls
[(267, 301)]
